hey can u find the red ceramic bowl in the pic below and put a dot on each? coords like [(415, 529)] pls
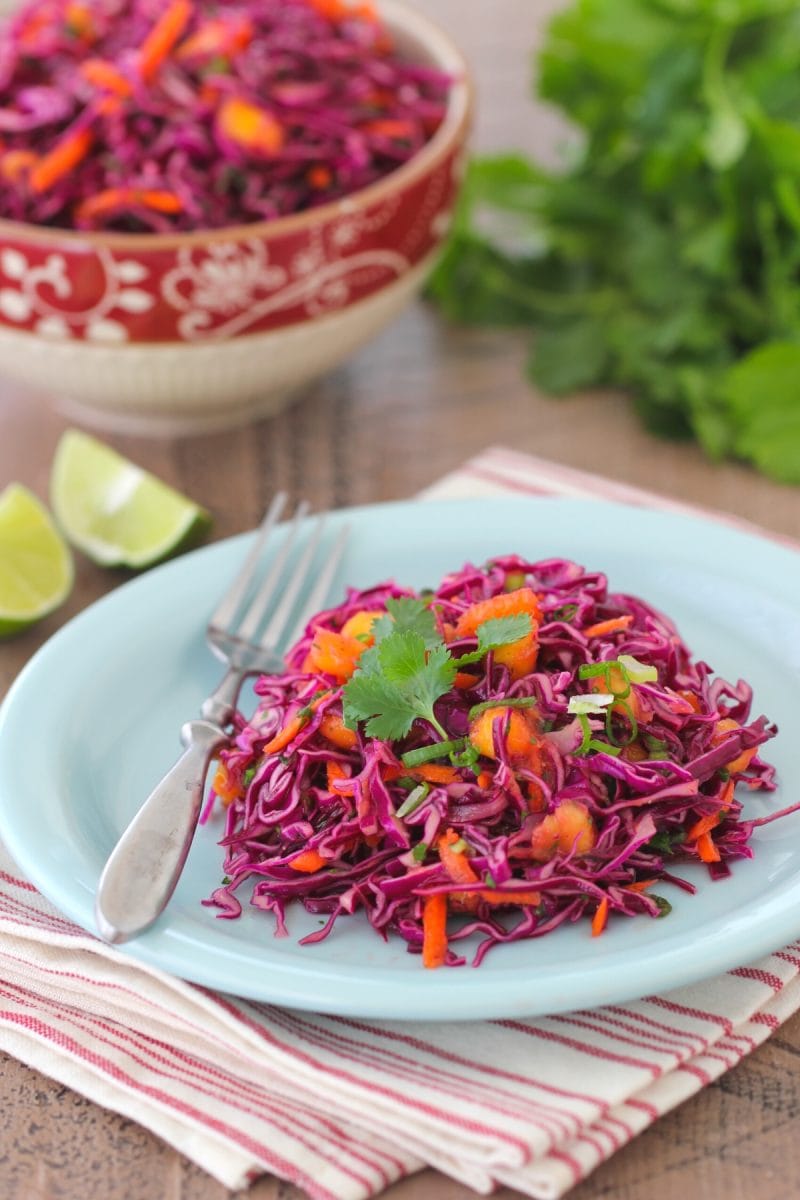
[(164, 333)]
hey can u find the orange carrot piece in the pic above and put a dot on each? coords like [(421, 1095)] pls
[(110, 199), (390, 128), (507, 604), (721, 731), (569, 827), (613, 625), (464, 680), (498, 898), (79, 20), (485, 780), (65, 155), (519, 725), (319, 178), (692, 699), (162, 37), (333, 728), (455, 862), (600, 918), (334, 654), (641, 885), (433, 773), (217, 37), (290, 730), (334, 772), (434, 930), (308, 862), (105, 75), (727, 795), (360, 625), (704, 825), (14, 162), (341, 10), (250, 126), (706, 849), (225, 786)]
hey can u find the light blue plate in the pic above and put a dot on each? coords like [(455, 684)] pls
[(93, 721)]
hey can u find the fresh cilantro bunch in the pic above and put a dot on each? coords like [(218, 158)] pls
[(665, 259), (409, 667)]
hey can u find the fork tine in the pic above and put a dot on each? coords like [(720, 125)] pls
[(226, 609), (252, 618), (319, 591), (283, 612)]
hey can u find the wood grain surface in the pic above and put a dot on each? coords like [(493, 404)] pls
[(413, 405)]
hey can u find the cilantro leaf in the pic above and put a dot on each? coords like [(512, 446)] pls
[(408, 614), (400, 681)]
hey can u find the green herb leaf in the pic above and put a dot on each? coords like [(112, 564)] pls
[(419, 852), (497, 632), (408, 614), (401, 681)]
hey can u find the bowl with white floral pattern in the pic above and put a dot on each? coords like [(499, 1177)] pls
[(171, 333)]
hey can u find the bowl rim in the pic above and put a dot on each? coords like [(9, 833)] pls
[(401, 19)]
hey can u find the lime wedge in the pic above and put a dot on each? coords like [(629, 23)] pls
[(35, 563), (118, 514)]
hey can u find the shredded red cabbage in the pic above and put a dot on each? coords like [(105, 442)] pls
[(135, 115), (566, 813)]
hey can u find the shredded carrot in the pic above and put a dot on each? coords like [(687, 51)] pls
[(742, 761), (692, 699), (79, 20), (498, 898), (334, 654), (484, 780), (704, 825), (319, 178), (706, 849), (341, 10), (600, 918), (537, 801), (308, 862), (65, 155), (389, 128), (333, 728), (290, 730), (727, 795), (162, 37), (613, 625), (105, 75), (335, 771), (433, 773), (250, 126), (111, 199), (434, 930), (226, 787), (641, 885), (455, 862), (464, 680), (217, 37), (14, 162)]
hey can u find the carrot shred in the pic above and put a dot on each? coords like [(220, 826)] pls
[(110, 199), (225, 786), (600, 918), (103, 74), (640, 885), (389, 128), (434, 930), (14, 162), (319, 177), (290, 730), (484, 780), (455, 862), (308, 862), (250, 126), (219, 36), (334, 654), (706, 849), (335, 771), (162, 37), (433, 773), (703, 826), (613, 625), (333, 728), (65, 155), (498, 898), (464, 680)]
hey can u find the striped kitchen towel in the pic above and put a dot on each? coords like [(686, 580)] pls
[(343, 1107)]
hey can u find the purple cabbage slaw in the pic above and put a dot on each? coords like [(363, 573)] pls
[(326, 105), (660, 776)]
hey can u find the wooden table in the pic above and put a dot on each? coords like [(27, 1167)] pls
[(413, 405)]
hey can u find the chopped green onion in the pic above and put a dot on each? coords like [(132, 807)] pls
[(604, 748), (514, 581), (500, 702), (424, 754), (419, 852), (594, 670), (664, 906), (413, 800), (564, 613), (634, 727), (655, 747), (587, 734), (466, 757), (596, 702), (459, 847), (637, 672), (488, 879), (248, 776)]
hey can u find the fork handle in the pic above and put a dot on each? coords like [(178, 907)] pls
[(144, 867)]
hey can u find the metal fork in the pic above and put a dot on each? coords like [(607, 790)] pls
[(145, 865)]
